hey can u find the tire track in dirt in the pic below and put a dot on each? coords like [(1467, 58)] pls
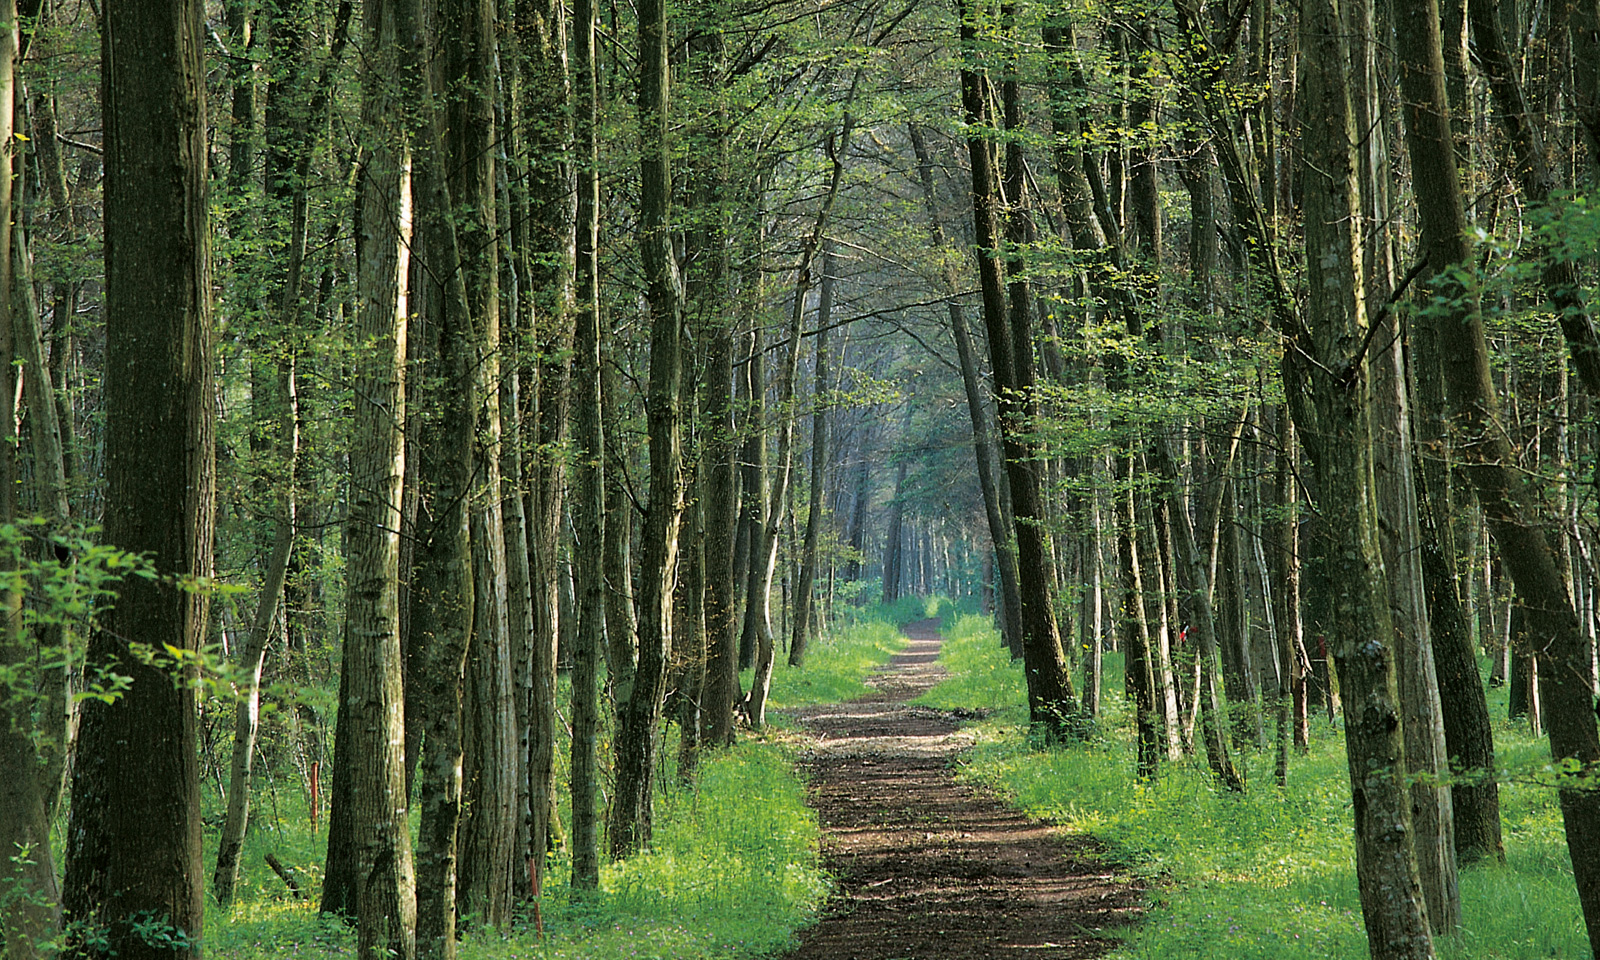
[(931, 869)]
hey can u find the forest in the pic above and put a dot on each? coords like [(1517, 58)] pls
[(447, 438)]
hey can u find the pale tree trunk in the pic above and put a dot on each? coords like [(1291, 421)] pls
[(30, 913), (133, 843), (819, 455), (547, 257), (753, 458), (1512, 514), (1399, 536), (765, 556), (445, 607), (372, 878), (638, 717), (622, 630), (1392, 901), (1139, 677)]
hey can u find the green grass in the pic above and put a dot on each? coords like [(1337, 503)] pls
[(836, 665), (732, 872), (1268, 875), (733, 869)]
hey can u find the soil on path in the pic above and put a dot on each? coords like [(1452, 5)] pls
[(931, 869)]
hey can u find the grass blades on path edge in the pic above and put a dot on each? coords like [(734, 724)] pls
[(1268, 875), (733, 870)]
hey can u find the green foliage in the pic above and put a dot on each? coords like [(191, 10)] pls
[(1270, 874)]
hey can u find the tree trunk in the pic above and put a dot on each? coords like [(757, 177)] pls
[(1392, 901), (638, 718), (804, 586), (977, 409), (766, 557), (588, 506), (1051, 699), (133, 845), (1508, 507)]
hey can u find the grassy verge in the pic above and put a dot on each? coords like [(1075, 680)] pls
[(733, 870), (1270, 874)]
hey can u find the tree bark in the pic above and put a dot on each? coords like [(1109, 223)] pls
[(1509, 508), (977, 408), (588, 506), (133, 845), (638, 718), (1392, 901), (805, 585), (1051, 699)]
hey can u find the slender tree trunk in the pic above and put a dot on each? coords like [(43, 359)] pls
[(766, 557), (588, 507), (819, 456), (638, 718), (977, 408)]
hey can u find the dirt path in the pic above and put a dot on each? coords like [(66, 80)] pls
[(929, 869)]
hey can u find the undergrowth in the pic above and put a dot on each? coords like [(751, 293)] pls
[(1270, 874), (733, 869)]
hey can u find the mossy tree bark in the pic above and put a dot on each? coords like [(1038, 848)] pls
[(133, 849)]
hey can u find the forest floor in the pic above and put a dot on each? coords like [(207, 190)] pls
[(932, 869)]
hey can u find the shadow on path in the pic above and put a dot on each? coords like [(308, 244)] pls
[(930, 869)]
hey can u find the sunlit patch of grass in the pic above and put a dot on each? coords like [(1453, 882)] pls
[(733, 869), (1270, 874), (836, 665)]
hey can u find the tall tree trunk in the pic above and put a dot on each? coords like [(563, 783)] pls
[(977, 409), (588, 506), (457, 166), (1509, 508), (548, 260), (638, 718), (894, 538), (766, 557), (622, 630), (30, 913), (133, 844), (1392, 901), (1051, 699), (819, 455)]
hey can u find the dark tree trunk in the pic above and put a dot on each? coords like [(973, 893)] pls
[(588, 502), (1511, 513), (133, 846), (1051, 699), (638, 718)]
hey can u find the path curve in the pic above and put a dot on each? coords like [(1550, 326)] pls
[(931, 869)]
